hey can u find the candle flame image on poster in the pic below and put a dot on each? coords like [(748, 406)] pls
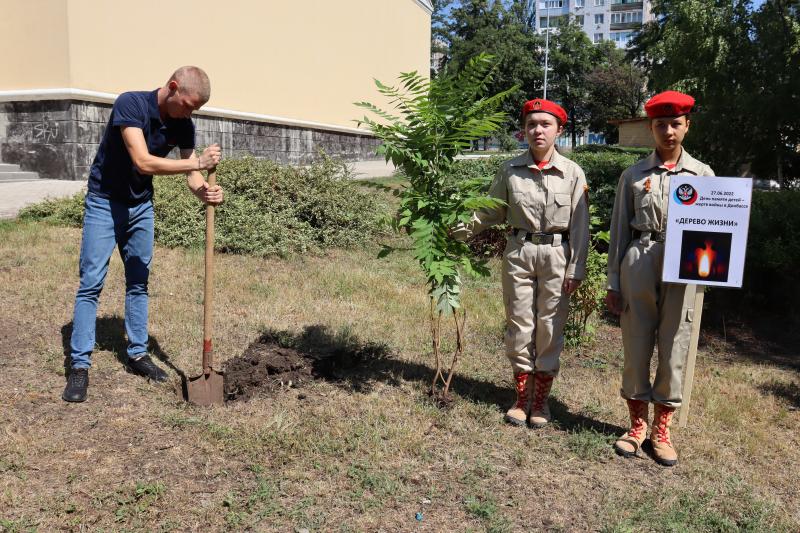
[(705, 255)]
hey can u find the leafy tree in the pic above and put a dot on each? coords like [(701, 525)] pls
[(742, 67), (590, 81), (776, 27), (572, 57), (488, 26), (439, 35), (437, 120), (524, 11), (616, 90)]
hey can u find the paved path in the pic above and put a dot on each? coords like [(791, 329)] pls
[(365, 170), (17, 194)]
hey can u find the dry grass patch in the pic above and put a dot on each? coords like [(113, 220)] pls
[(363, 450)]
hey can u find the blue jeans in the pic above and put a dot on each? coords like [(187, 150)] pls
[(107, 223)]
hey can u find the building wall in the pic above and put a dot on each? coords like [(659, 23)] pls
[(59, 138), (284, 73), (34, 43), (635, 133), (297, 59)]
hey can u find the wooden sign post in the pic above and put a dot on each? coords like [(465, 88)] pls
[(688, 381)]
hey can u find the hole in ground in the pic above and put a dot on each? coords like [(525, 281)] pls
[(280, 360)]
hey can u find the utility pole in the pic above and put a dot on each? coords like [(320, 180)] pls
[(546, 46)]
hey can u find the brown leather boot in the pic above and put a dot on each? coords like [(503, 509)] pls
[(519, 411), (540, 408), (663, 452), (628, 444)]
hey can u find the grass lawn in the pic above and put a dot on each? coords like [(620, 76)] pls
[(369, 451)]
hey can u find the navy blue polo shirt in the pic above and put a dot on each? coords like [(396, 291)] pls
[(113, 174)]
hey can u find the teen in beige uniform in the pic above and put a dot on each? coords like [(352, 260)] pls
[(545, 256), (650, 310)]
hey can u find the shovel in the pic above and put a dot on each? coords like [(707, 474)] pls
[(207, 388)]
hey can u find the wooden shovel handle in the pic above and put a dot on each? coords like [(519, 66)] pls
[(208, 298)]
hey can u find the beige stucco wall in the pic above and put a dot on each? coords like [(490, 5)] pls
[(34, 50), (635, 133), (298, 59)]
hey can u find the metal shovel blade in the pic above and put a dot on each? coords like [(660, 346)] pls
[(206, 389)]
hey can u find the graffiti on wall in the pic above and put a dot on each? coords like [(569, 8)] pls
[(45, 131)]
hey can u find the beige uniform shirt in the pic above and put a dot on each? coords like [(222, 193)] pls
[(641, 204), (550, 200)]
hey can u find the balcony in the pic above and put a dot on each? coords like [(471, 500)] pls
[(615, 26), (627, 7)]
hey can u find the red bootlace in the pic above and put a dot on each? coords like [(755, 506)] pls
[(522, 390), (541, 390), (638, 425), (636, 429), (661, 428)]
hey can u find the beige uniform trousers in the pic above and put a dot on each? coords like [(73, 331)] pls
[(536, 305), (652, 311)]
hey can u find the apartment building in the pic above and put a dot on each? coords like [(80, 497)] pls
[(601, 20)]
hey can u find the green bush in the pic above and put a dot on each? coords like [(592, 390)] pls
[(603, 169), (611, 149), (588, 299), (478, 167), (269, 209), (62, 212)]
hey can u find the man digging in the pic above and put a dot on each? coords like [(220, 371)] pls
[(143, 129)]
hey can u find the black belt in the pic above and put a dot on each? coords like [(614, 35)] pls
[(540, 238), (655, 236)]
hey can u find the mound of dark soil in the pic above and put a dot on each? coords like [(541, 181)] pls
[(281, 360), (265, 367)]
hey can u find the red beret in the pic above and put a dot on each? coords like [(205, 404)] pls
[(669, 104), (538, 105)]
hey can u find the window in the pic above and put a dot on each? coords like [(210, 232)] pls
[(598, 37), (579, 19), (626, 1), (625, 17), (551, 4), (598, 19), (621, 38), (580, 3), (555, 22), (599, 3)]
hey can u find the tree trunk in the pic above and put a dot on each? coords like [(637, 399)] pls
[(572, 128), (442, 379)]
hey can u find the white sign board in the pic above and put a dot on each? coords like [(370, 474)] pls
[(707, 226)]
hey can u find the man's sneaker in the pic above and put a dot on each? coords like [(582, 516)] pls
[(77, 383), (146, 367)]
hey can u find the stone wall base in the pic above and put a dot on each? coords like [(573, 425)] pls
[(59, 138)]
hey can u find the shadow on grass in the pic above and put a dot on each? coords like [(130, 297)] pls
[(344, 360), (574, 422), (760, 339), (788, 392), (110, 335)]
